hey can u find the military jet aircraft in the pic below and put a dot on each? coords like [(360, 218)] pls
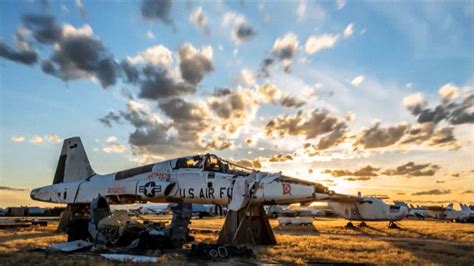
[(202, 179), (366, 209)]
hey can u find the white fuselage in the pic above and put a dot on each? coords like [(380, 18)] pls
[(164, 183), (368, 209)]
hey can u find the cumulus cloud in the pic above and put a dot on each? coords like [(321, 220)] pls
[(157, 10), (403, 134), (414, 102), (292, 102), (157, 55), (246, 77), (81, 8), (315, 44), (432, 192), (17, 138), (366, 171), (362, 178), (269, 93), (348, 30), (195, 64), (468, 192), (241, 30), (453, 112), (256, 164), (317, 123), (37, 139), (358, 80), (234, 108), (412, 169), (159, 84), (114, 148), (77, 54), (280, 158), (112, 116), (340, 4), (448, 92), (284, 49), (53, 138), (199, 19), (27, 57)]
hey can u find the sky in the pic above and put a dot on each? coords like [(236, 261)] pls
[(359, 96)]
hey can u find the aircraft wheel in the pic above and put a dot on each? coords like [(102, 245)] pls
[(393, 225), (362, 224), (349, 225), (223, 253), (213, 253)]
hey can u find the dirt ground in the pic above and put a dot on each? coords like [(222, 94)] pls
[(416, 242)]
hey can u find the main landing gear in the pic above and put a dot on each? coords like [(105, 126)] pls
[(393, 225), (350, 225)]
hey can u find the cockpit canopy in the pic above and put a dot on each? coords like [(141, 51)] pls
[(212, 163)]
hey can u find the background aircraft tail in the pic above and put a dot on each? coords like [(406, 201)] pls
[(73, 163)]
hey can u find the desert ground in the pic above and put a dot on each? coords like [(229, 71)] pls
[(416, 242)]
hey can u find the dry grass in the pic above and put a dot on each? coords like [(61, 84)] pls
[(417, 242)]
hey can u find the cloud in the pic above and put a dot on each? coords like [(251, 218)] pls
[(269, 93), (468, 192), (114, 148), (12, 189), (440, 181), (77, 54), (284, 49), (280, 158), (150, 35), (432, 192), (234, 108), (81, 8), (26, 57), (241, 30), (111, 139), (358, 80), (362, 178), (301, 9), (249, 163), (195, 64), (451, 111), (366, 171), (53, 138), (317, 123), (316, 43), (246, 77), (109, 118), (17, 138), (348, 30), (412, 169), (340, 4), (415, 102), (448, 92), (403, 134), (36, 139), (159, 84), (292, 102), (199, 19), (157, 10), (157, 55)]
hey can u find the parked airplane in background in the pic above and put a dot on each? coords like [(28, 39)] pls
[(367, 209), (438, 212)]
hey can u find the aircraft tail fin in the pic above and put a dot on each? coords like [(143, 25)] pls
[(73, 163)]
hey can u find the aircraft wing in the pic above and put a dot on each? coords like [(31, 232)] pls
[(343, 198)]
